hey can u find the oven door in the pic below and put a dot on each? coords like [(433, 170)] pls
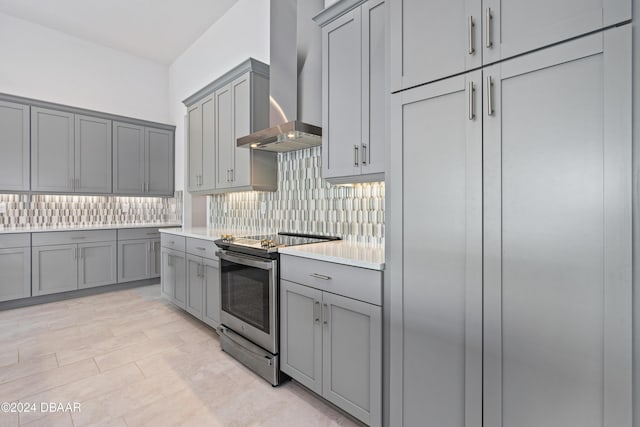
[(249, 298)]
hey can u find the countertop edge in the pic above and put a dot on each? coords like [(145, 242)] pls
[(85, 228), (334, 259)]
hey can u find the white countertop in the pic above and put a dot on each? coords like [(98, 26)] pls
[(341, 252), (13, 230)]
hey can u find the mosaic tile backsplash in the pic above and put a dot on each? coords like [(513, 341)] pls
[(305, 203), (36, 210)]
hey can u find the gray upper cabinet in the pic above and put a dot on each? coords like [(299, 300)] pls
[(128, 159), (143, 160), (52, 151), (70, 153), (437, 372), (201, 145), (15, 136), (15, 264), (431, 40), (231, 107), (92, 155), (557, 236), (355, 90)]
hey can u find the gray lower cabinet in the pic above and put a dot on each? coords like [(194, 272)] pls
[(70, 153), (137, 260), (173, 278), (60, 263), (331, 343), (15, 134), (211, 299), (143, 160), (195, 285), (15, 265), (355, 93), (511, 286)]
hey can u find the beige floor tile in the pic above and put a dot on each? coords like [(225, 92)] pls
[(147, 322), (9, 420), (27, 386), (85, 389), (8, 356), (26, 368), (100, 347), (170, 411), (61, 339), (137, 351), (54, 419)]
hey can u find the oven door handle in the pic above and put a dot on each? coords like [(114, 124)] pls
[(251, 262)]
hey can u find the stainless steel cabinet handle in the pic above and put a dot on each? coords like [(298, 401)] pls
[(355, 156), (325, 314), (152, 234), (488, 27), (472, 101), (489, 96), (316, 311), (320, 276), (79, 238), (232, 175), (471, 29), (169, 263), (200, 248), (364, 154)]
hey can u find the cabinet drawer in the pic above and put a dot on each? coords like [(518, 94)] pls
[(172, 241), (203, 248), (18, 240), (138, 233), (352, 282), (66, 237)]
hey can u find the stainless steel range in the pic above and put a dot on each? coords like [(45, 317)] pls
[(249, 283)]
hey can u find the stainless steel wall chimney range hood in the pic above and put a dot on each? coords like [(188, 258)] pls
[(295, 83)]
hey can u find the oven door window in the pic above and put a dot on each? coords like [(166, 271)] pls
[(245, 293)]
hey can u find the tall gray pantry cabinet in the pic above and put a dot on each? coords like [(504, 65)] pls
[(510, 233)]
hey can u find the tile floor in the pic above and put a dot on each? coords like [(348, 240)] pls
[(129, 358)]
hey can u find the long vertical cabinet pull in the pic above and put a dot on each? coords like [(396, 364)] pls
[(489, 96), (355, 156), (471, 31), (488, 27), (316, 311), (472, 101), (364, 154), (325, 314)]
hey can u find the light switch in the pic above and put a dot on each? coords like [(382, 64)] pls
[(3, 208)]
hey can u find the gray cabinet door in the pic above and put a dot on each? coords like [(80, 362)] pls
[(93, 153), (208, 176), (159, 161), (155, 260), (374, 87), (557, 236), (14, 147), (241, 99), (15, 280), (168, 275), (195, 285), (180, 289), (134, 260), (54, 269), (194, 152), (225, 144), (521, 26), (301, 334), (342, 96), (437, 373), (434, 39), (128, 159), (97, 264), (52, 150), (211, 309), (352, 357)]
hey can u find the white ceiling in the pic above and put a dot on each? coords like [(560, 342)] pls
[(159, 30)]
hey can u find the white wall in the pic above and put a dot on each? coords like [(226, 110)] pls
[(241, 33), (38, 62)]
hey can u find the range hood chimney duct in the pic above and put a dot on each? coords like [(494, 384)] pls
[(295, 82)]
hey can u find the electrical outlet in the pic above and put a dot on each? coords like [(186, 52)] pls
[(125, 207), (3, 208), (263, 207)]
